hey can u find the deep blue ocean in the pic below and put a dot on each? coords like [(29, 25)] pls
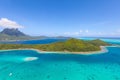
[(104, 66), (41, 41), (51, 40)]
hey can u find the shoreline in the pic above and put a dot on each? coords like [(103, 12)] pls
[(103, 50)]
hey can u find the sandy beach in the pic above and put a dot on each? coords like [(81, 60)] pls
[(103, 50)]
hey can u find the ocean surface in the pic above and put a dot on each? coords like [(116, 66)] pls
[(14, 66), (51, 40), (41, 41)]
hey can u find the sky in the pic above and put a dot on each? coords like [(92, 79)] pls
[(80, 18)]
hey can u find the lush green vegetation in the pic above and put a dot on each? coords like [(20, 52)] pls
[(72, 45), (98, 42)]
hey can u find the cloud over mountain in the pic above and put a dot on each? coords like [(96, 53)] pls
[(6, 23)]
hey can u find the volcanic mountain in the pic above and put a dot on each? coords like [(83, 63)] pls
[(12, 32)]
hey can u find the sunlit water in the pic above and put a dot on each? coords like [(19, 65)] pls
[(41, 41), (13, 66), (31, 65)]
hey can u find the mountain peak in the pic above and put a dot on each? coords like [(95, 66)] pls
[(12, 32)]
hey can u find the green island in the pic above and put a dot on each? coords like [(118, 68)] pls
[(70, 45)]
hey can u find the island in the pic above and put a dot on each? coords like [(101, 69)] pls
[(72, 45), (14, 34)]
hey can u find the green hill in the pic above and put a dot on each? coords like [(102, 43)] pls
[(71, 45), (74, 45), (98, 42)]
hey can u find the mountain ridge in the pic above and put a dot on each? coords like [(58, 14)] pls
[(14, 34)]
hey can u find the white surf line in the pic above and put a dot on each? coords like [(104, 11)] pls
[(10, 74), (30, 58)]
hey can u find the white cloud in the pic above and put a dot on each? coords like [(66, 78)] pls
[(86, 31), (81, 31), (71, 33), (76, 33), (118, 30), (67, 33), (6, 23), (100, 33)]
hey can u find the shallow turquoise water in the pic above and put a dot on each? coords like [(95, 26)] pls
[(60, 66)]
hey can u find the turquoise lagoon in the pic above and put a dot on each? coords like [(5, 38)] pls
[(13, 66)]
